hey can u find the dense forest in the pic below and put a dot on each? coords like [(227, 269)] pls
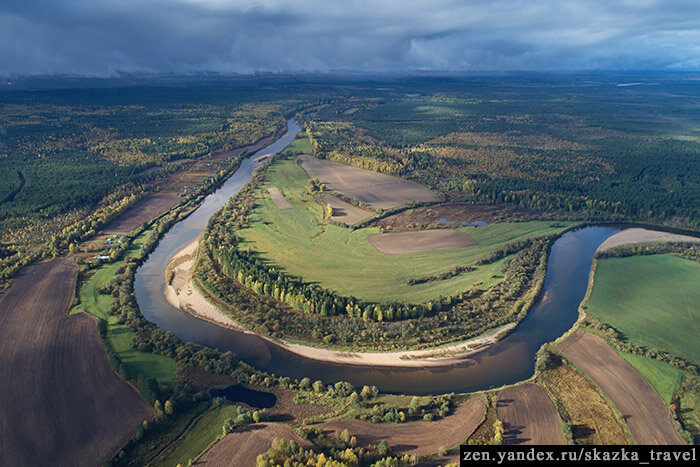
[(582, 147)]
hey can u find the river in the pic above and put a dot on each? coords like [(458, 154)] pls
[(508, 361)]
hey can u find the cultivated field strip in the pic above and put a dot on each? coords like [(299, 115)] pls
[(344, 212), (243, 446), (418, 438), (642, 408), (278, 198), (528, 416), (145, 210), (61, 403), (378, 190), (422, 240)]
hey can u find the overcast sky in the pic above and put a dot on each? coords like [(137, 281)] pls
[(103, 37)]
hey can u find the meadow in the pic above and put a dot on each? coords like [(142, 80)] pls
[(302, 244), (652, 301)]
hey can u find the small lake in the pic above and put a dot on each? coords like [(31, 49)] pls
[(508, 361), (238, 393)]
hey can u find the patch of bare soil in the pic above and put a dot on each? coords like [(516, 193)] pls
[(420, 438), (422, 240), (378, 190), (452, 215), (61, 403), (646, 415), (242, 447), (144, 210), (529, 416), (345, 212), (278, 198)]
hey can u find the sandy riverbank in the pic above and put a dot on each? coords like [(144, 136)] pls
[(638, 235), (182, 293)]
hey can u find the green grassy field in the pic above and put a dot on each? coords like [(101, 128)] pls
[(299, 146), (343, 260), (652, 300), (664, 378), (119, 336)]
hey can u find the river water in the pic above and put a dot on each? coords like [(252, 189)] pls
[(508, 361)]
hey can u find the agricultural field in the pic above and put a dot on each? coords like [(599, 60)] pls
[(372, 188), (646, 414), (243, 445), (402, 243), (344, 212), (528, 416), (419, 437), (652, 300), (345, 261), (592, 419), (91, 413)]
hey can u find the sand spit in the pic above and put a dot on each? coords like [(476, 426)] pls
[(639, 235)]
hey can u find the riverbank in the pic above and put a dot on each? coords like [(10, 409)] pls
[(182, 293)]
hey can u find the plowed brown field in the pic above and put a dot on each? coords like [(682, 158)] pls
[(529, 416), (278, 198), (378, 190), (145, 210), (61, 403), (418, 438), (422, 240), (242, 447), (648, 418)]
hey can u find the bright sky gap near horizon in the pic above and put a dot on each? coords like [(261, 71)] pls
[(105, 37)]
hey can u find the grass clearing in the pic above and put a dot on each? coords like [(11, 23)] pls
[(298, 241), (300, 146), (652, 301), (664, 378)]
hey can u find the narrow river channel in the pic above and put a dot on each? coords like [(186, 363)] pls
[(508, 361)]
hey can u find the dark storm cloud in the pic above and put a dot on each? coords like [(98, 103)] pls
[(101, 37)]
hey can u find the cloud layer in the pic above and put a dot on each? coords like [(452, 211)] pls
[(102, 37)]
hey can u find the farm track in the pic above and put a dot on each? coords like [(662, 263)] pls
[(529, 416), (62, 405), (418, 438), (642, 408)]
